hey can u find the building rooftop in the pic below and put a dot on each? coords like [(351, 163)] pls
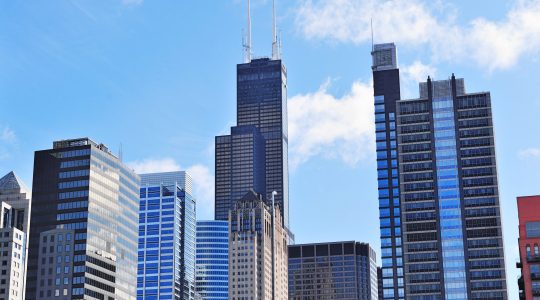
[(11, 182)]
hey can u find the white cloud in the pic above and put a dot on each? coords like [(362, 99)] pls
[(321, 124), (529, 153), (492, 44), (411, 75), (203, 180), (155, 165)]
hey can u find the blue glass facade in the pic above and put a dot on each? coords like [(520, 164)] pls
[(166, 251), (451, 227), (385, 70), (212, 260), (440, 221)]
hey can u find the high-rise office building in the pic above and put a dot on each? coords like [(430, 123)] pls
[(337, 270), (83, 237), (257, 250), (380, 283), (440, 223), (255, 154), (529, 241), (15, 200), (166, 258), (212, 262)]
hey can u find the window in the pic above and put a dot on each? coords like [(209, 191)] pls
[(532, 229)]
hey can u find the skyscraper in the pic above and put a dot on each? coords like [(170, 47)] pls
[(212, 263), (529, 241), (254, 155), (337, 270), (441, 234), (83, 237), (166, 256), (257, 250), (15, 200)]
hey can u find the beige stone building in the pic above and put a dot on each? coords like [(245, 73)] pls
[(252, 253), (15, 199)]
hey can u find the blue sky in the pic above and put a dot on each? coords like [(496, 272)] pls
[(158, 77)]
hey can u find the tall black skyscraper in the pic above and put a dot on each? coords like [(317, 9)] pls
[(439, 212), (254, 155)]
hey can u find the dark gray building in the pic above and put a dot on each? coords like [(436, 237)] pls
[(254, 155), (440, 223), (84, 224), (336, 270)]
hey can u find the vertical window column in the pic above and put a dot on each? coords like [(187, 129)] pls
[(451, 226)]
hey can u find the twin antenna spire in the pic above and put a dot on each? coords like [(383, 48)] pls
[(276, 44)]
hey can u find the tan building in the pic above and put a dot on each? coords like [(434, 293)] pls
[(15, 200), (252, 253)]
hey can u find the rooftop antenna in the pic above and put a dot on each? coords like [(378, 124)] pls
[(275, 44), (247, 43), (120, 152), (372, 44)]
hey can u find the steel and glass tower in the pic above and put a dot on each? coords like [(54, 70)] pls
[(166, 252), (255, 154), (441, 234), (212, 260), (83, 225)]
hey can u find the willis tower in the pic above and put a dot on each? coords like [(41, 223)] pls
[(254, 155)]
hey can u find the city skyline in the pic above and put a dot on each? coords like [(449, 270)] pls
[(62, 86)]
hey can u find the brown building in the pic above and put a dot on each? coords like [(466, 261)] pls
[(529, 241), (257, 250)]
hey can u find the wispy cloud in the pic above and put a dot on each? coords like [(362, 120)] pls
[(132, 2), (155, 165), (203, 180), (529, 153), (7, 135), (334, 127), (491, 44), (8, 140)]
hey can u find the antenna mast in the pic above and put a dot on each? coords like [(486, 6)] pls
[(247, 44), (372, 43), (275, 43)]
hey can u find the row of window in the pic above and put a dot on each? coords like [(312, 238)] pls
[(75, 173), (74, 163), (73, 184), (74, 194)]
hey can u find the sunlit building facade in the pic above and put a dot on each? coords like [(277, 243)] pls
[(83, 225), (257, 250), (15, 199)]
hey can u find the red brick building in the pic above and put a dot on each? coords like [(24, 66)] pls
[(529, 242)]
